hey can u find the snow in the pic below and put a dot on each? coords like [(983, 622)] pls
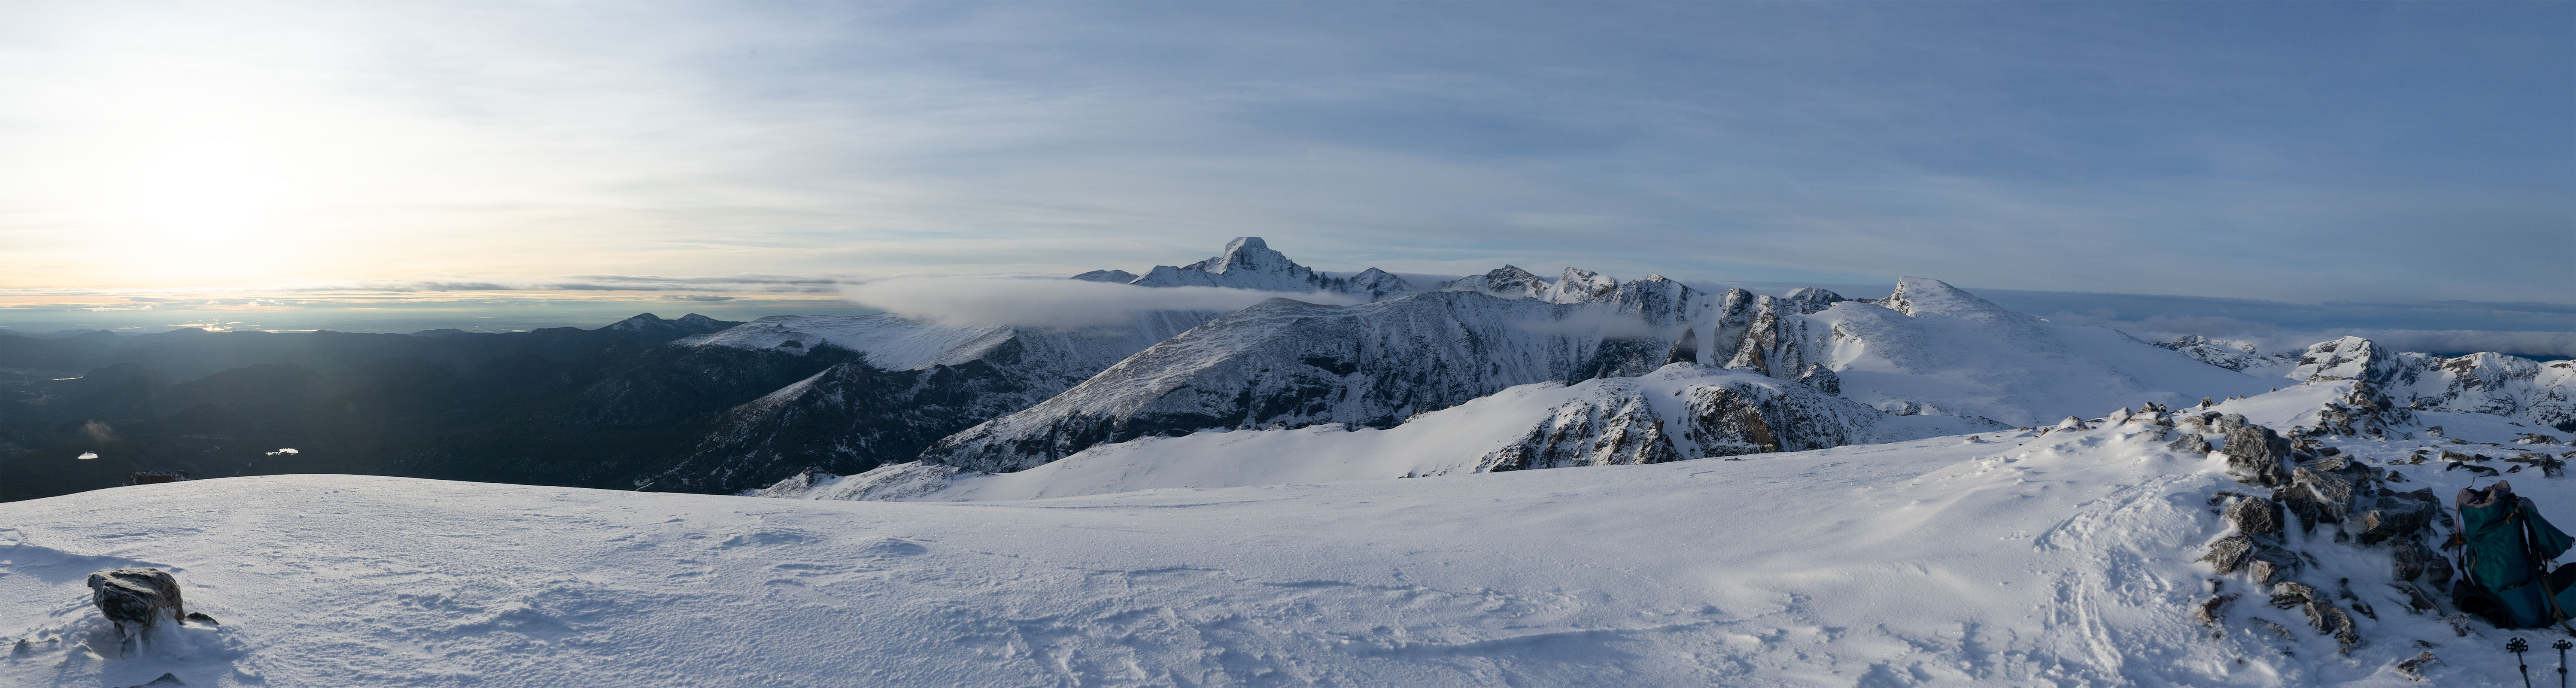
[(1958, 355), (2062, 558), (1460, 439)]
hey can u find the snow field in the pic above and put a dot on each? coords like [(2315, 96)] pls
[(2061, 558), (1930, 561)]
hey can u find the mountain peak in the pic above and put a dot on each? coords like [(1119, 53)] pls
[(1253, 254), (1919, 296), (1508, 282), (1110, 276), (1578, 285), (640, 321), (1248, 263)]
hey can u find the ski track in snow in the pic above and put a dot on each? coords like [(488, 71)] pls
[(2057, 559)]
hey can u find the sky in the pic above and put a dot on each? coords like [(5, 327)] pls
[(331, 158)]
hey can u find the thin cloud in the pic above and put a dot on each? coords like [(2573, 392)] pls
[(1055, 303)]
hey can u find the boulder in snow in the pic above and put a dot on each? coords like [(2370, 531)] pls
[(137, 599), (2255, 454), (2255, 516), (2269, 563), (2397, 517), (2227, 422)]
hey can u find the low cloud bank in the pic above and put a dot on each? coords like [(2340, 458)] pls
[(1056, 302), (2274, 339)]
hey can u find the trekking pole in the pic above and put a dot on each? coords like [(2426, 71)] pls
[(2562, 646), (2517, 647)]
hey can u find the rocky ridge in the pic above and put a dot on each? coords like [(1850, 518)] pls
[(2489, 383), (1292, 364)]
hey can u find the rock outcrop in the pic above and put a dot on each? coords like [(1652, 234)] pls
[(2490, 383), (2257, 455), (137, 599)]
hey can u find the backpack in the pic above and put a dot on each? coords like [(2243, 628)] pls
[(2504, 548)]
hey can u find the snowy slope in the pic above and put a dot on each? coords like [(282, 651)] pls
[(918, 381), (1294, 363), (2062, 559), (1680, 411), (1933, 348), (2234, 354)]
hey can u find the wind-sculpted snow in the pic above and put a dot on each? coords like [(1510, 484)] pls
[(1291, 364), (2062, 557), (2488, 383)]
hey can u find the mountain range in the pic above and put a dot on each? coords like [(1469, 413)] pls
[(1582, 369)]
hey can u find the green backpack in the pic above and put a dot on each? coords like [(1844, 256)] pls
[(2505, 547)]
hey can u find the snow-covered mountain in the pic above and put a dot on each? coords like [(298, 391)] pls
[(1249, 263), (1930, 349), (1681, 411), (1291, 363), (1934, 348), (2233, 354), (2488, 383), (916, 382)]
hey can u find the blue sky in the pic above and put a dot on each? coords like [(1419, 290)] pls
[(2300, 152)]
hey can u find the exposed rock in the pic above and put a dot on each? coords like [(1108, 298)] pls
[(2257, 455), (1821, 378), (2397, 516), (2227, 423), (2287, 594), (2472, 468), (2190, 443), (2324, 617), (2225, 353), (2550, 466), (2416, 601), (2414, 559), (2318, 496), (2535, 438), (2276, 629), (1250, 263), (1585, 434), (2211, 610), (2267, 562), (137, 599), (1721, 413), (154, 477), (1110, 276), (1686, 350), (2256, 516), (2413, 669), (2271, 564)]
